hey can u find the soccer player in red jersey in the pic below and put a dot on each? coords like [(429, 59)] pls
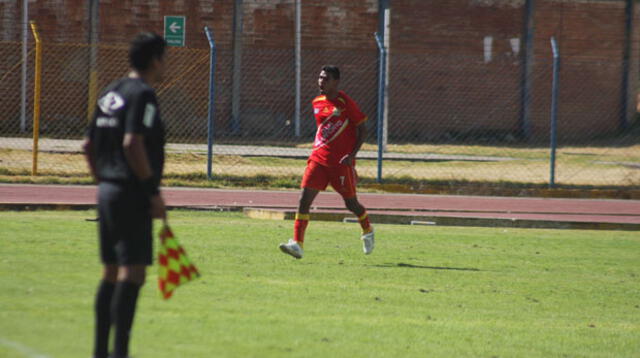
[(341, 132)]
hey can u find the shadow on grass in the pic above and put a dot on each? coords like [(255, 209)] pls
[(401, 264)]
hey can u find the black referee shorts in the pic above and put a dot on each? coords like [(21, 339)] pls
[(125, 225)]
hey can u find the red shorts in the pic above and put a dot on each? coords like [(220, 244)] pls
[(343, 178)]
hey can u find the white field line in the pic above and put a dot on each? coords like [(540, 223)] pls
[(26, 351)]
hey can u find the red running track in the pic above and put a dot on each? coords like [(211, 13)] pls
[(596, 210)]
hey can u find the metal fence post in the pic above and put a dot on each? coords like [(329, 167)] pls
[(94, 14), (236, 79), (384, 16), (298, 64), (381, 94), (527, 70), (554, 110), (212, 102), (626, 68), (25, 38), (36, 98)]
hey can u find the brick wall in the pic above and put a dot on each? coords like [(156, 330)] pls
[(327, 24), (591, 39), (456, 28), (63, 20), (437, 65), (440, 80), (335, 32)]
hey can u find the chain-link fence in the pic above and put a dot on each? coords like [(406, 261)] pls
[(65, 106), (470, 111), (449, 118), (261, 139)]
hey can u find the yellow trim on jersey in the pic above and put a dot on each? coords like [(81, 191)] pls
[(319, 98), (342, 100), (344, 126), (336, 113)]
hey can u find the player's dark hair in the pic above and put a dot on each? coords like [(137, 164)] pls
[(144, 48), (334, 71)]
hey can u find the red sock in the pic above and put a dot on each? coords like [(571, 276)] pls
[(302, 220), (365, 223)]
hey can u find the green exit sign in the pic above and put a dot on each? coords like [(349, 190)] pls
[(174, 30)]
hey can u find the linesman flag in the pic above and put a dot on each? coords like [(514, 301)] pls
[(174, 268)]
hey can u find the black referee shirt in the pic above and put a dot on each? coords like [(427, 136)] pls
[(127, 105)]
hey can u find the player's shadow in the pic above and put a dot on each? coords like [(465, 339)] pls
[(402, 264)]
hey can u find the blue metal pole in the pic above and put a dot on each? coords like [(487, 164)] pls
[(381, 89), (554, 110), (212, 102)]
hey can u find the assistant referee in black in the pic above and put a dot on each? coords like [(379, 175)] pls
[(124, 148)]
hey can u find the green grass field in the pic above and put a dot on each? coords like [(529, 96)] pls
[(424, 292)]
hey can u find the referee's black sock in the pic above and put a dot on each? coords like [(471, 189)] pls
[(103, 318), (122, 311)]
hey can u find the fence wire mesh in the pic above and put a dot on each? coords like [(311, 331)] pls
[(260, 139), (11, 86), (450, 118), (468, 120)]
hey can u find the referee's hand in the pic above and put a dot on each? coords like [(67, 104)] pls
[(158, 210)]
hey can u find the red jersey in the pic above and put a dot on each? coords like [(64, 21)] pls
[(337, 120)]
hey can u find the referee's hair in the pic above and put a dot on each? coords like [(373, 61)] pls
[(334, 71), (144, 48)]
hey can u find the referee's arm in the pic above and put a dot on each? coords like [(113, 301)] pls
[(90, 157), (89, 151), (134, 132), (134, 149), (136, 155)]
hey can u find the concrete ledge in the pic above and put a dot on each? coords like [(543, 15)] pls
[(391, 218), (493, 189), (399, 218)]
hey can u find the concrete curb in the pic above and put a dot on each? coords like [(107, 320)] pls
[(496, 190), (273, 214), (388, 218)]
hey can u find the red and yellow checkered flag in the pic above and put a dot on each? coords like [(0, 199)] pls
[(174, 266)]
